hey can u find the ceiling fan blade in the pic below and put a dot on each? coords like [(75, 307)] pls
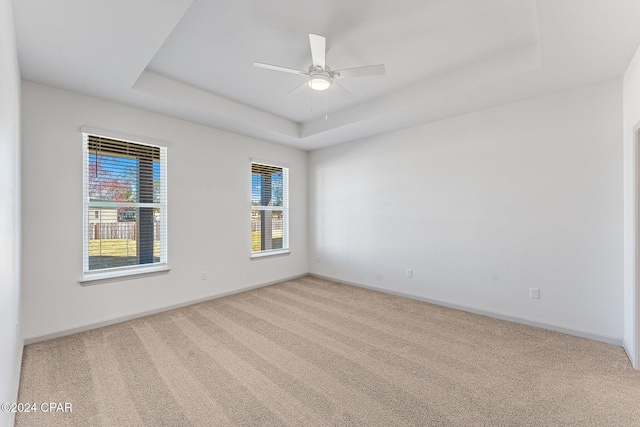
[(369, 70), (318, 50), (279, 68), (298, 89), (342, 91)]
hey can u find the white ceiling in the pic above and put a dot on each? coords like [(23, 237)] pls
[(193, 59)]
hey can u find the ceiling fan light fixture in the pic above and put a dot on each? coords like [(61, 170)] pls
[(319, 82)]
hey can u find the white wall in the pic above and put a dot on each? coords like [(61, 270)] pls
[(10, 339), (209, 213), (484, 206), (631, 112)]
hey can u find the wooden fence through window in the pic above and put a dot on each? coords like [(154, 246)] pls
[(118, 231)]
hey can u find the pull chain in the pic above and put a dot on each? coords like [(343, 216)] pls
[(326, 106)]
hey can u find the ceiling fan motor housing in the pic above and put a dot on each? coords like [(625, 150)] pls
[(319, 79)]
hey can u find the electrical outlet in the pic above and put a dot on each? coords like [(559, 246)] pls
[(409, 273), (204, 275), (534, 293)]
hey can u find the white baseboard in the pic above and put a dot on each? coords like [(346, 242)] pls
[(16, 381), (569, 331), (574, 332), (629, 352), (64, 332)]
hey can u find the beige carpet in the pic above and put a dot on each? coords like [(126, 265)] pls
[(314, 352)]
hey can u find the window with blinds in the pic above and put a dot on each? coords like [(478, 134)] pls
[(125, 204), (269, 209)]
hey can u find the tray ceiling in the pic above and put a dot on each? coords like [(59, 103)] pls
[(193, 59)]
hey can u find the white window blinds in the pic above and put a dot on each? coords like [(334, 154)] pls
[(269, 208), (125, 204)]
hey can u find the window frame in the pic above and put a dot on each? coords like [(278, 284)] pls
[(286, 243), (123, 272)]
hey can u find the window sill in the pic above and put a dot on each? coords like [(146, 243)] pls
[(259, 255), (113, 276)]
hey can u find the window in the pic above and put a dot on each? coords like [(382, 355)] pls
[(125, 206), (269, 209)]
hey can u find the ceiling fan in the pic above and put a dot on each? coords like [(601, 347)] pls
[(320, 76)]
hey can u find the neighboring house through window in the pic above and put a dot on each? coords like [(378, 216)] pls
[(269, 208), (125, 205)]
